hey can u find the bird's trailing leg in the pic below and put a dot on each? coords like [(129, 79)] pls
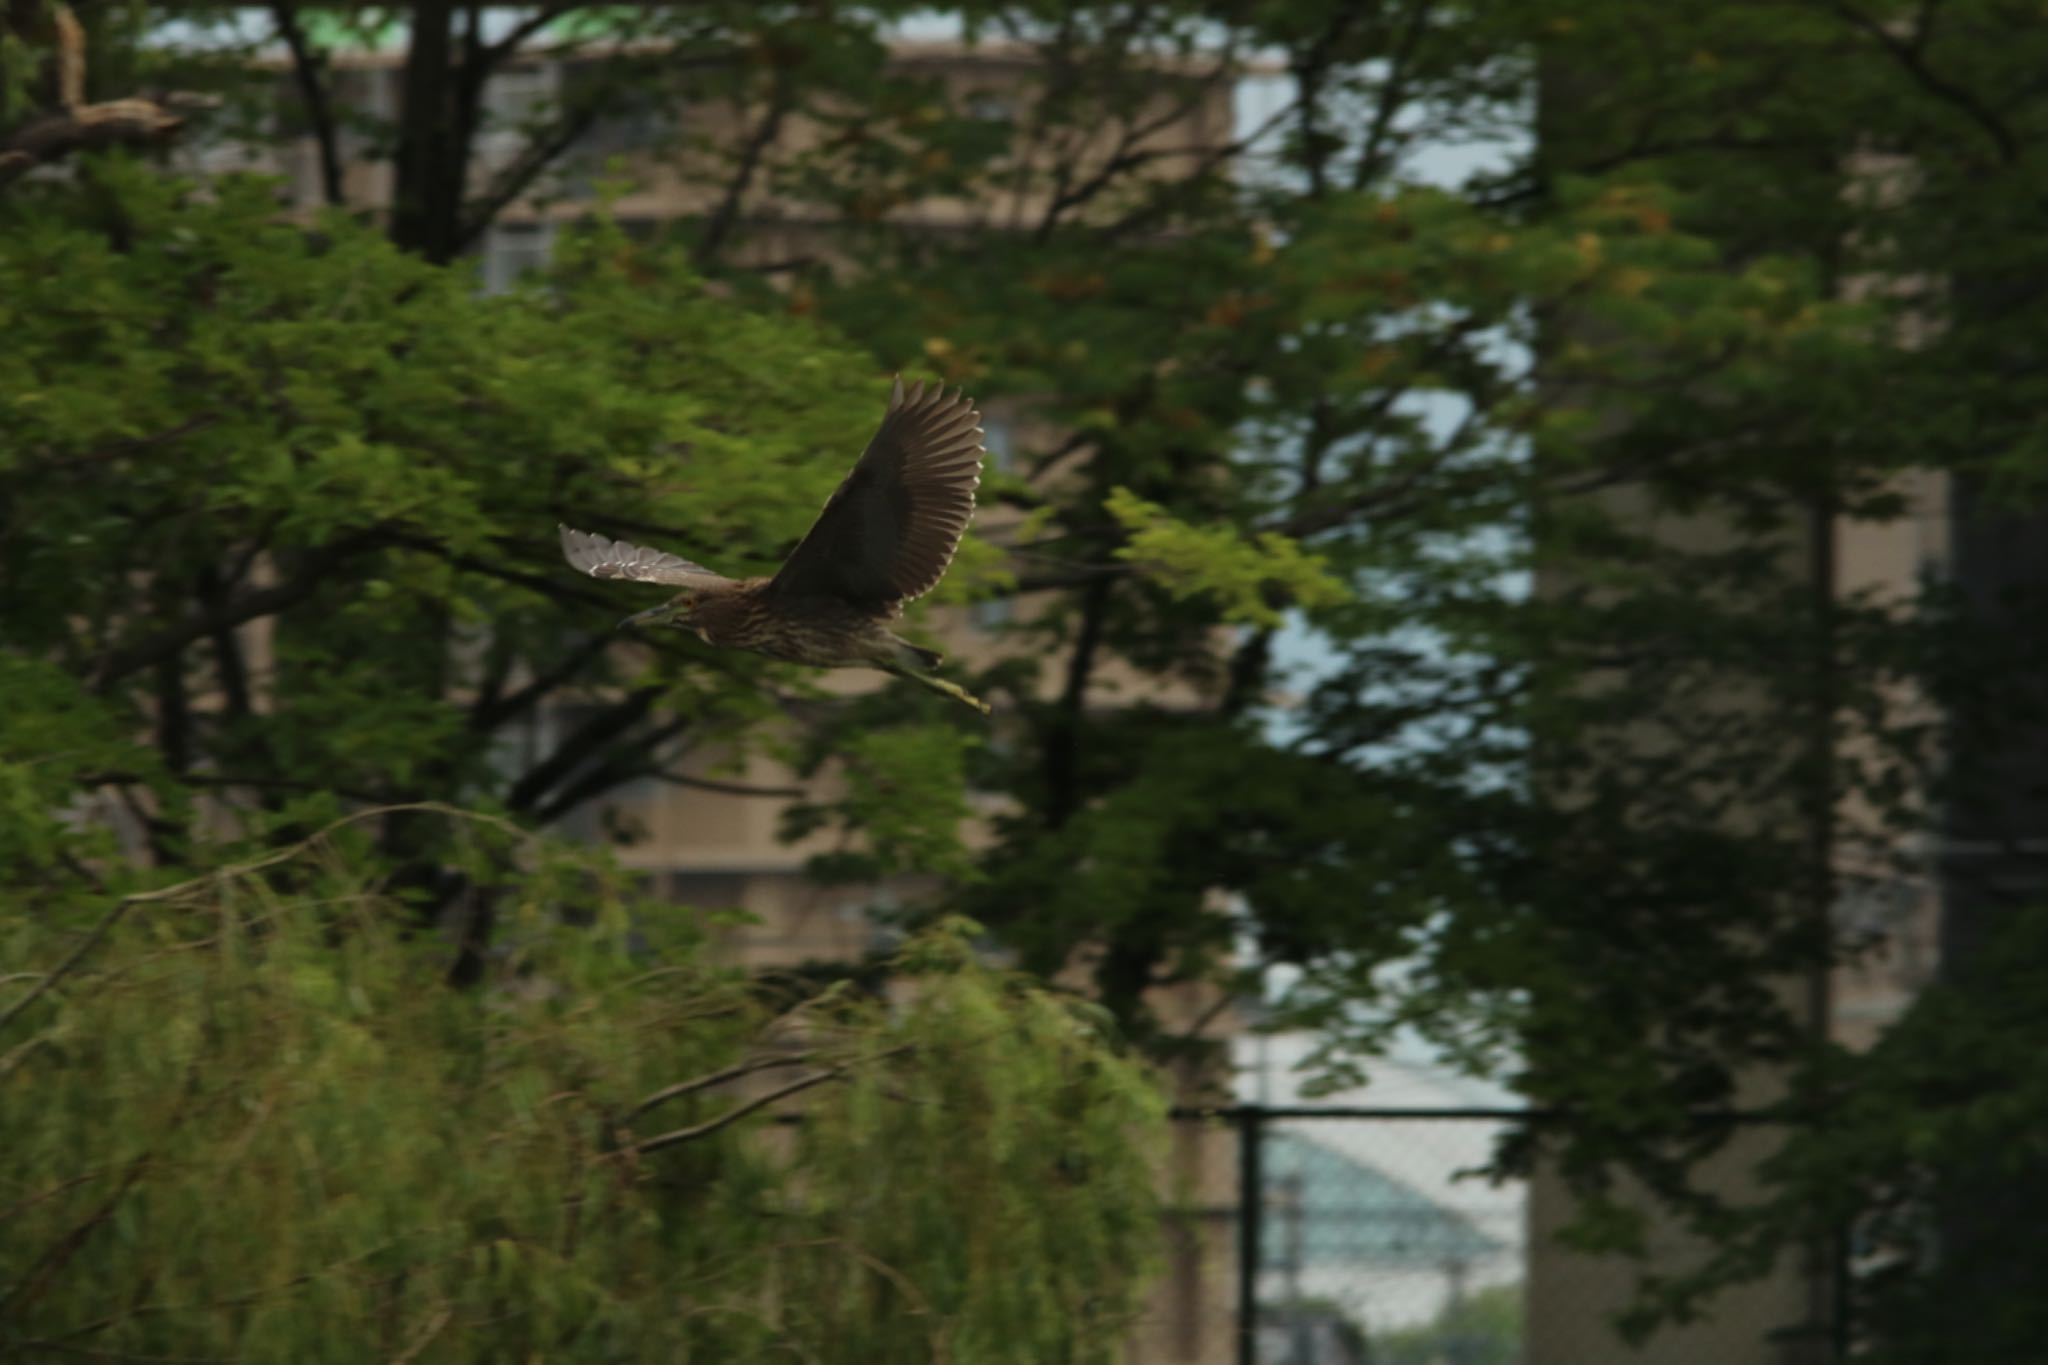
[(940, 686)]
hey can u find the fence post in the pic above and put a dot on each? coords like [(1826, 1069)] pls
[(1840, 1324), (1251, 1206)]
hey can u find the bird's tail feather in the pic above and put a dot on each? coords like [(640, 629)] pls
[(917, 656)]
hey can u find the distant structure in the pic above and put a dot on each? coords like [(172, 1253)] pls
[(1379, 1224), (1341, 1230)]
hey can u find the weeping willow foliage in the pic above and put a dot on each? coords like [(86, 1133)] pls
[(250, 1123)]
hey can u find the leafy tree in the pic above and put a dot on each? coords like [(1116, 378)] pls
[(1891, 146), (248, 1123), (1483, 1328)]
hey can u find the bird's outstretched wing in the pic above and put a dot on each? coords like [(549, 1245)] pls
[(890, 530), (602, 558)]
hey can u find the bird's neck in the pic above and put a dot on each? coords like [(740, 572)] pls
[(728, 618)]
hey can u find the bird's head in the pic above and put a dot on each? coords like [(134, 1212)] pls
[(677, 612)]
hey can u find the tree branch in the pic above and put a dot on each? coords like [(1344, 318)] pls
[(430, 164), (1392, 92), (517, 176), (1310, 67), (117, 664), (720, 1077), (71, 960), (489, 714), (1063, 744), (600, 728), (134, 445), (306, 66), (780, 103), (734, 1115), (1128, 155), (712, 784), (559, 587), (607, 775), (496, 54), (1910, 59)]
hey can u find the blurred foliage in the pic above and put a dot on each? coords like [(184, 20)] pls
[(249, 1123), (1480, 1328), (1251, 581), (1923, 1174)]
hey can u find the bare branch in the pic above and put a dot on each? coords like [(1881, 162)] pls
[(1170, 188)]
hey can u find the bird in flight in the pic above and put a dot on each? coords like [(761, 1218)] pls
[(885, 537)]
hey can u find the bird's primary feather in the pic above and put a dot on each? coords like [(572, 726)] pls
[(604, 558), (890, 530)]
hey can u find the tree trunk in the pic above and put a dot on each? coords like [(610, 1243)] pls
[(432, 158)]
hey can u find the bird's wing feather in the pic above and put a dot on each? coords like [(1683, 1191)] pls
[(890, 530), (603, 558)]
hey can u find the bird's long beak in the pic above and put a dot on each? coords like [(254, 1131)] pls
[(651, 617)]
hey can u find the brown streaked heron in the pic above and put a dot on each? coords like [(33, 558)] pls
[(885, 537)]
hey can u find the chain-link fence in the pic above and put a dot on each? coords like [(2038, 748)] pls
[(1376, 1240), (1354, 1236)]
